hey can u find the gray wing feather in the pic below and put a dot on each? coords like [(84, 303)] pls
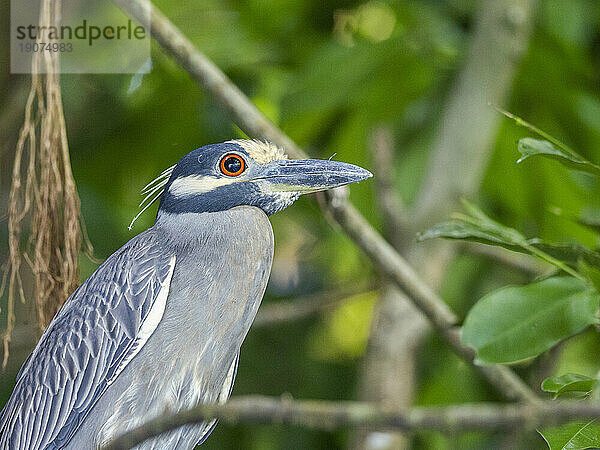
[(86, 346)]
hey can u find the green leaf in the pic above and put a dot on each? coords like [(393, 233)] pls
[(478, 227), (590, 272), (457, 229), (568, 253), (520, 322), (574, 435), (570, 382), (523, 123), (529, 147)]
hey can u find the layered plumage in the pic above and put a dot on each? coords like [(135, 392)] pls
[(160, 324)]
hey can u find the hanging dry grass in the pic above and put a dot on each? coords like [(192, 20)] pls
[(43, 198)]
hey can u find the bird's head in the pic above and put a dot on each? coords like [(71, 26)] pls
[(244, 172)]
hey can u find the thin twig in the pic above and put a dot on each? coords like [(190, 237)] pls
[(434, 308), (271, 314), (327, 415), (248, 118), (520, 262), (390, 203)]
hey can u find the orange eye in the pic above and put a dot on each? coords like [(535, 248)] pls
[(232, 165)]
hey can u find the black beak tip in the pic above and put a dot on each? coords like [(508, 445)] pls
[(350, 173), (361, 174)]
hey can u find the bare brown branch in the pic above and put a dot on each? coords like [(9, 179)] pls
[(395, 223), (326, 415)]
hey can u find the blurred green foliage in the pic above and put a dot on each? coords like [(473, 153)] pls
[(328, 73)]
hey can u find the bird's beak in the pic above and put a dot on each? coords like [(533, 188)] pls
[(309, 175)]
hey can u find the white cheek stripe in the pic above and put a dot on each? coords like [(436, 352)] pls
[(195, 184)]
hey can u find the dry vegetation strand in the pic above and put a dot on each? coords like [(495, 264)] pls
[(43, 199)]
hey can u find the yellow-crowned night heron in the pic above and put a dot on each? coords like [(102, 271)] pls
[(158, 327)]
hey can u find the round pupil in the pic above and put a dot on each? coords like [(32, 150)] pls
[(232, 164)]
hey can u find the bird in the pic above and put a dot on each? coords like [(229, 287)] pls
[(159, 325)]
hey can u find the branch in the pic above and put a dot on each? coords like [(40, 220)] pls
[(271, 314), (394, 213), (523, 263), (328, 415), (432, 306), (460, 153), (397, 326), (360, 231), (207, 74)]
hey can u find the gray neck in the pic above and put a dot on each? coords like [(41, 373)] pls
[(223, 261), (193, 229)]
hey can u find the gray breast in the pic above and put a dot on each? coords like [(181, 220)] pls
[(223, 261)]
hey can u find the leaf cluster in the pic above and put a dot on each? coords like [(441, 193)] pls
[(515, 324)]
